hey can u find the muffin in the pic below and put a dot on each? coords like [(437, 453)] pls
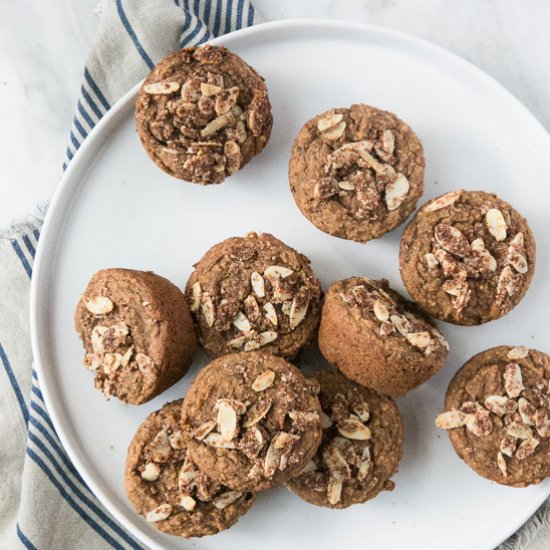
[(361, 448), (356, 173), (497, 413), (254, 293), (166, 487), (377, 338), (202, 114), (253, 421), (137, 331), (467, 257)]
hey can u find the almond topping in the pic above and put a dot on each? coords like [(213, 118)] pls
[(354, 429), (334, 490), (500, 405), (513, 381), (396, 191), (187, 503), (445, 200), (256, 412), (257, 282), (159, 513), (419, 339), (161, 88), (150, 472), (209, 89), (526, 411), (297, 313), (217, 440), (99, 305), (225, 499), (204, 429), (278, 271), (380, 311), (431, 260), (328, 121), (264, 381), (227, 420), (496, 224), (518, 352), (335, 132), (527, 448), (449, 419), (270, 313), (207, 307), (346, 186), (267, 337), (501, 461), (241, 322), (196, 293)]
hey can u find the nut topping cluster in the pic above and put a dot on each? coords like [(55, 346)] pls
[(360, 174), (275, 304), (112, 348), (345, 453), (243, 426), (463, 262), (521, 413), (377, 305)]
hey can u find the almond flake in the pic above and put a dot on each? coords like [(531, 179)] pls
[(297, 313), (527, 448), (267, 337), (251, 307), (519, 263), (386, 146), (334, 490), (501, 461), (207, 307), (513, 381), (278, 271), (508, 445), (287, 305), (225, 499), (326, 422), (396, 192), (449, 419), (270, 313), (150, 472), (257, 282), (256, 412), (489, 260), (519, 430), (518, 352), (99, 305), (419, 339), (196, 293), (496, 224), (479, 423), (365, 465), (159, 513), (431, 260), (209, 89), (542, 422), (217, 124), (217, 440), (452, 239), (335, 132), (241, 322), (177, 440), (526, 411), (328, 121), (226, 420), (110, 363), (237, 343), (361, 409), (500, 404), (187, 503), (309, 467), (402, 324), (442, 202), (271, 460), (354, 429), (252, 345), (346, 186), (226, 100), (160, 448), (204, 429), (161, 88), (264, 381), (380, 311), (336, 463)]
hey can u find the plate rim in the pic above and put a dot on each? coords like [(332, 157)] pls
[(68, 185)]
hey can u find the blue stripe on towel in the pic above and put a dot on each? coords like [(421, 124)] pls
[(86, 96), (24, 540), (21, 255), (133, 35), (29, 246), (95, 89), (14, 384)]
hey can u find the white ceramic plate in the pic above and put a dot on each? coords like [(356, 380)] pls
[(114, 208)]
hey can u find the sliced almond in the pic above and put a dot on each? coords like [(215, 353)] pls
[(519, 430), (278, 271), (361, 409), (501, 461), (527, 448), (161, 88), (270, 313), (396, 192), (518, 352), (196, 293), (297, 313), (500, 404), (99, 305), (204, 429), (519, 263), (380, 311), (287, 305), (401, 323), (227, 420), (513, 381), (479, 423), (256, 412), (542, 422), (226, 100), (217, 124), (452, 239), (354, 429), (237, 343), (346, 186), (225, 499), (257, 282), (309, 467), (252, 345), (160, 447), (496, 224), (365, 465), (334, 490), (241, 322), (271, 460), (264, 381), (110, 363), (177, 440), (508, 445), (267, 337), (489, 260), (328, 121), (336, 463), (159, 513), (209, 89), (251, 307), (449, 419), (386, 146), (526, 411), (92, 361), (207, 308), (335, 132), (187, 503), (419, 339), (445, 200), (326, 422), (151, 472), (431, 260), (217, 440)]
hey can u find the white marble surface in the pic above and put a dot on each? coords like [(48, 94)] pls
[(43, 46)]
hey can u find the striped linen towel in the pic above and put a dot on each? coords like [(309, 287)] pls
[(44, 503)]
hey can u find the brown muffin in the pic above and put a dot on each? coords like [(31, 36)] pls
[(467, 257), (253, 420), (254, 292), (497, 411), (361, 448), (203, 113), (137, 331), (356, 173), (166, 487), (377, 338)]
